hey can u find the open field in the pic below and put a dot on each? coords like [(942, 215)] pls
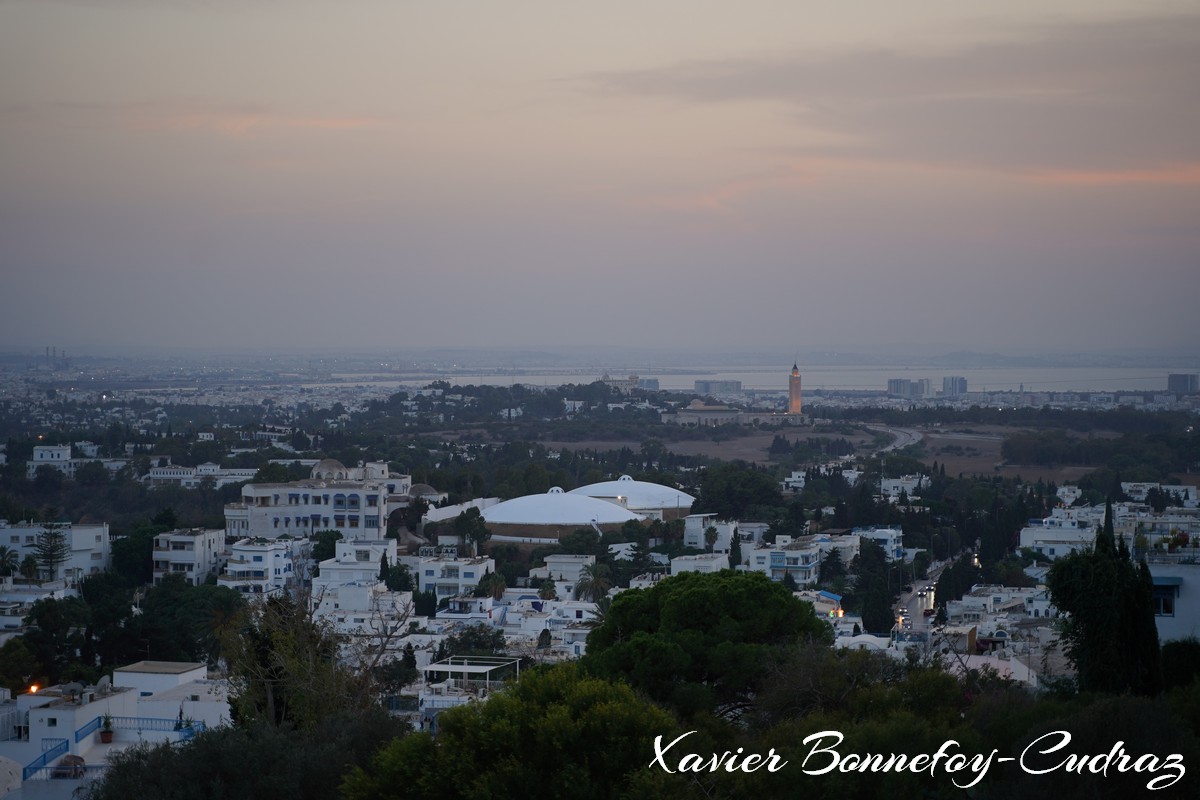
[(747, 448), (977, 452), (753, 448)]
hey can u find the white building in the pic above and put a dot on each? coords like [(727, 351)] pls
[(264, 567), (57, 456), (447, 575), (908, 484), (1054, 537), (353, 502), (90, 550), (56, 733), (695, 532), (1176, 596), (890, 539), (562, 568), (651, 500), (194, 553), (799, 557), (16, 601), (704, 562)]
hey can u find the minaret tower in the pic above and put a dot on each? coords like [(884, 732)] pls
[(795, 402)]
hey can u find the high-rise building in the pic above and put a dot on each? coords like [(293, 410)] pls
[(1183, 383), (795, 399), (899, 387), (717, 387), (954, 385)]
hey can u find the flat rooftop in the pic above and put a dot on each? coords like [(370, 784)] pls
[(163, 667)]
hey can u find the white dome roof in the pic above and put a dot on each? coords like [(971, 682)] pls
[(638, 494), (557, 507)]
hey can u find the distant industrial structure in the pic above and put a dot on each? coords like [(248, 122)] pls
[(953, 386), (1183, 383), (717, 387), (903, 387)]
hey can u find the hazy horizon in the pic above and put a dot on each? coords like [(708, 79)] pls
[(767, 177)]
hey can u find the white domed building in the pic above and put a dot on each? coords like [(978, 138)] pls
[(543, 518), (650, 500)]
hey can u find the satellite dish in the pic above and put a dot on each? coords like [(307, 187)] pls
[(104, 685)]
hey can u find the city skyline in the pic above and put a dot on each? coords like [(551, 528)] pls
[(769, 176)]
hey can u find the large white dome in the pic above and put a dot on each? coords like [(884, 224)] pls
[(638, 495), (557, 507)]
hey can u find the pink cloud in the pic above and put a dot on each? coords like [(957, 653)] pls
[(1179, 174)]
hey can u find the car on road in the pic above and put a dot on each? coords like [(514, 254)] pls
[(929, 612)]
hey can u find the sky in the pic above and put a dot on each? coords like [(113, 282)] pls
[(1010, 177)]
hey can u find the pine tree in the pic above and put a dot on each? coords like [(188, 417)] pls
[(1111, 635)]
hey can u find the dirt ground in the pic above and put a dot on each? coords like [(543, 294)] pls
[(753, 448), (747, 448), (976, 451), (973, 450)]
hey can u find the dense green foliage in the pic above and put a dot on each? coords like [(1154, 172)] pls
[(1110, 631), (260, 761), (556, 734), (697, 642)]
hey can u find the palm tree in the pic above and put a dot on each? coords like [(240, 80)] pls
[(10, 560), (29, 567), (547, 590), (493, 585), (601, 612), (594, 582)]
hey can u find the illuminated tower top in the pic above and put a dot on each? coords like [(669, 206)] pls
[(795, 401)]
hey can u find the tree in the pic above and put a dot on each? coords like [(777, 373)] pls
[(547, 590), (181, 622), (325, 546), (29, 567), (872, 587), (417, 508), (832, 567), (303, 763), (10, 560), (472, 640), (732, 490), (132, 555), (92, 473), (284, 668), (470, 527), (17, 665), (1110, 631), (399, 579), (701, 641), (735, 550), (569, 734), (272, 473), (55, 635), (425, 603), (384, 569), (594, 582), (52, 548), (491, 585)]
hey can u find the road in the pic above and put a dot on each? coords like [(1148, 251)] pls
[(904, 437), (914, 605)]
